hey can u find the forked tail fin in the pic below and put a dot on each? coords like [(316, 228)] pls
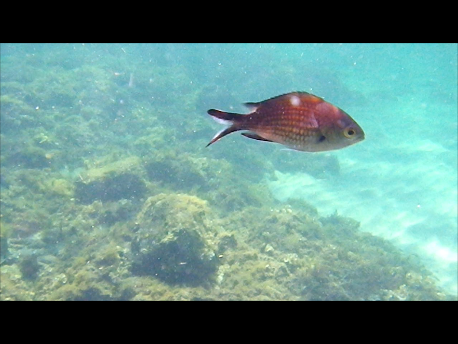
[(232, 120)]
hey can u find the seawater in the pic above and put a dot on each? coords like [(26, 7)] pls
[(400, 183)]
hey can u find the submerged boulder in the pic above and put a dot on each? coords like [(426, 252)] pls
[(174, 241), (111, 181), (122, 186)]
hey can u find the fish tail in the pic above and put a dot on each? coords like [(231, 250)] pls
[(232, 120)]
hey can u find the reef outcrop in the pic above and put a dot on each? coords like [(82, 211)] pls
[(174, 241)]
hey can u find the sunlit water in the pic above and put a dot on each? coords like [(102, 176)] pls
[(400, 183)]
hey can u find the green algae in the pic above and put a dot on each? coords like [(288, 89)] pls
[(111, 186), (182, 249)]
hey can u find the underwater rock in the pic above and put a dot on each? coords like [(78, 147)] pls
[(12, 105), (27, 227), (111, 165), (173, 243), (120, 211), (29, 157), (60, 187), (227, 242), (123, 186), (182, 172), (180, 258), (29, 267), (91, 283), (108, 180), (269, 249)]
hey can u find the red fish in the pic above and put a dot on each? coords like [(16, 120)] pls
[(298, 120)]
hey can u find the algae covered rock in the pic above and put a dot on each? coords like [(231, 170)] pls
[(174, 241), (29, 267), (58, 186), (29, 157), (111, 182), (123, 186)]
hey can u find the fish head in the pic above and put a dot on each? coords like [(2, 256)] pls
[(342, 133)]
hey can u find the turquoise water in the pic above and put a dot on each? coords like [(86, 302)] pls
[(90, 132)]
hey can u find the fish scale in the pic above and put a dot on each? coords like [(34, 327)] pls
[(298, 120)]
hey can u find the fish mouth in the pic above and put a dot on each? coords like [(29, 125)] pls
[(360, 138), (360, 134)]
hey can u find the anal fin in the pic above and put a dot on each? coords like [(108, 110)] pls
[(221, 134), (255, 136)]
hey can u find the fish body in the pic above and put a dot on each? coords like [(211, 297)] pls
[(298, 120)]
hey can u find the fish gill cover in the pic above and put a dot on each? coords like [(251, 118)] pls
[(108, 191)]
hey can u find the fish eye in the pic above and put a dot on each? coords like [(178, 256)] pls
[(349, 132)]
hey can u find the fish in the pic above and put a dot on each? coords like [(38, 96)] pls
[(297, 120)]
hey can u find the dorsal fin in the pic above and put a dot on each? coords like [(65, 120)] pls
[(252, 106), (255, 106)]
